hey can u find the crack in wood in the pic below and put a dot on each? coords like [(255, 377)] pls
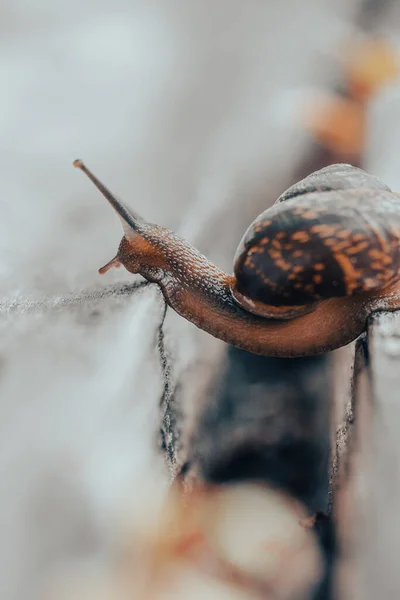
[(169, 431)]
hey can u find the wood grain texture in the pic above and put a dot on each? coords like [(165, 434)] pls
[(367, 499), (382, 474)]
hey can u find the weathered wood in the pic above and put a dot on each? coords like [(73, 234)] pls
[(378, 492), (368, 492)]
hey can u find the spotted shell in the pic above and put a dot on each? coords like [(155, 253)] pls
[(335, 233)]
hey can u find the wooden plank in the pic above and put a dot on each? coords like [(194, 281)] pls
[(367, 502), (382, 462)]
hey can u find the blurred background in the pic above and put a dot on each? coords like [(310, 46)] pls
[(198, 115)]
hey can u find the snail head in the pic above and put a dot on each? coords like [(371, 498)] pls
[(137, 251)]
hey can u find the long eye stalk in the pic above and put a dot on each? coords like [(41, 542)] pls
[(129, 218)]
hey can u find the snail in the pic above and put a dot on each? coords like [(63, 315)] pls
[(308, 272)]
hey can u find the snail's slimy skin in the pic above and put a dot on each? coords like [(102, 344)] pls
[(201, 293), (308, 272), (334, 323)]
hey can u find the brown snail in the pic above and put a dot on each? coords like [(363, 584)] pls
[(307, 274)]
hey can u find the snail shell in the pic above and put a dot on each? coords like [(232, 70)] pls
[(335, 233)]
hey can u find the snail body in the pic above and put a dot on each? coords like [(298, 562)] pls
[(307, 273)]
